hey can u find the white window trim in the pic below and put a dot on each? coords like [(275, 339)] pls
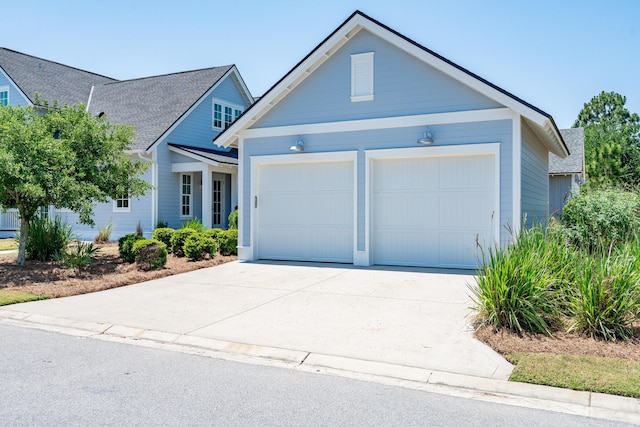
[(117, 209), (5, 88), (234, 108), (360, 60), (190, 196)]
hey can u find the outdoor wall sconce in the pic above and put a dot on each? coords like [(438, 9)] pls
[(427, 138), (298, 147)]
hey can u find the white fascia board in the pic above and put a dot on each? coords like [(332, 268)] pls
[(189, 111), (456, 73), (11, 82), (322, 53), (193, 156), (382, 123), (245, 90), (189, 167)]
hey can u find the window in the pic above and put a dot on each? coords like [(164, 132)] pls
[(362, 77), (4, 96), (185, 196), (217, 115), (224, 114), (122, 204)]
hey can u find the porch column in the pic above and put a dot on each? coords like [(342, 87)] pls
[(206, 197), (234, 191)]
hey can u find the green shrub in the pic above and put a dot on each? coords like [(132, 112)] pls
[(607, 298), (229, 242), (233, 219), (178, 238), (104, 233), (46, 238), (77, 256), (194, 224), (598, 219), (162, 224), (196, 246), (164, 235), (125, 246), (149, 253), (522, 287), (214, 233)]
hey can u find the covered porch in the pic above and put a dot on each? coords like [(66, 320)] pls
[(208, 183)]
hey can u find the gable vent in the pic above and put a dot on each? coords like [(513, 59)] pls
[(362, 77)]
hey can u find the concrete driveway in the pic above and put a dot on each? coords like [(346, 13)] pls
[(403, 316)]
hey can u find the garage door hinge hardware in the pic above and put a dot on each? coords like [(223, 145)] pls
[(255, 201)]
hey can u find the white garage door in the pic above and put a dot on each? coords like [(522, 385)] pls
[(305, 212), (430, 211)]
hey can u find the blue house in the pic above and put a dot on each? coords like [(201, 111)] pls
[(376, 150), (175, 116)]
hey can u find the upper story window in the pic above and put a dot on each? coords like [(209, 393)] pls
[(224, 114), (362, 77), (4, 96)]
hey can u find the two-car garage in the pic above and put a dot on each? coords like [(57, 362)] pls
[(420, 207)]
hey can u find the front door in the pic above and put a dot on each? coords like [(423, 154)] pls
[(219, 208)]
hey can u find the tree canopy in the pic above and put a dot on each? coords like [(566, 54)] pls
[(612, 141), (66, 158)]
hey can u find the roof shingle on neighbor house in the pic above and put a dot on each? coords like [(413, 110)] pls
[(153, 104), (574, 163), (150, 104), (51, 80)]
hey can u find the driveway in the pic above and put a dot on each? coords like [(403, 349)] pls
[(403, 316)]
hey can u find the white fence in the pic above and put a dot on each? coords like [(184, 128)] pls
[(9, 220)]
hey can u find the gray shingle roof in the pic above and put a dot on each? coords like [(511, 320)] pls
[(574, 163), (219, 155), (52, 81), (153, 104)]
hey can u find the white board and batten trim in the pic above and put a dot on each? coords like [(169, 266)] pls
[(252, 252), (516, 172), (481, 149), (382, 123)]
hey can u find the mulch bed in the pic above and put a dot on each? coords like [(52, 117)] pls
[(505, 342), (105, 272)]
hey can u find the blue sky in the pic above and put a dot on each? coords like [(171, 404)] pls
[(554, 54)]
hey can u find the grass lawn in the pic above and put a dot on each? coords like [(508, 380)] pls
[(13, 297), (586, 373), (6, 244)]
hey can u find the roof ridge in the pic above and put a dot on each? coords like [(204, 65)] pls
[(168, 74), (57, 63)]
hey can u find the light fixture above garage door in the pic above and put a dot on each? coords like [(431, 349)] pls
[(427, 138)]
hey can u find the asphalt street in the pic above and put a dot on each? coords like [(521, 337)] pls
[(53, 379)]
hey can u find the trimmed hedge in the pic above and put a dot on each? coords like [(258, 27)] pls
[(150, 253), (164, 235), (196, 246), (178, 239), (125, 246)]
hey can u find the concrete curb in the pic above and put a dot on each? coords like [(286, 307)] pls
[(584, 403)]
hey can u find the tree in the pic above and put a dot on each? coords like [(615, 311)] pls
[(66, 158), (612, 141)]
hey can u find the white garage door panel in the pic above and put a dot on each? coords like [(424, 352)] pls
[(305, 212), (435, 213)]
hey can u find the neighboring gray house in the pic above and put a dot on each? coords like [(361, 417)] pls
[(376, 150), (566, 174), (175, 117)]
